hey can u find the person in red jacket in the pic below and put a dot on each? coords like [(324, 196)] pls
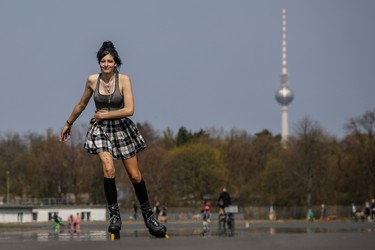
[(206, 214)]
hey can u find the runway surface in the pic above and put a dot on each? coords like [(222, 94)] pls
[(188, 235)]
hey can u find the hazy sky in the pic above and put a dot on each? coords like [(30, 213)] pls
[(193, 63)]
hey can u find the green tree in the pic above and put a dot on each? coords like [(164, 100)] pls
[(275, 182), (197, 170), (183, 136)]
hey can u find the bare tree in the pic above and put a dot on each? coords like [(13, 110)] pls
[(362, 149), (311, 156)]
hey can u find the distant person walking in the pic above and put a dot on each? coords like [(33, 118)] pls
[(367, 211), (135, 211), (112, 135), (206, 215), (157, 209), (57, 223), (323, 213), (163, 214), (311, 215), (354, 212), (77, 224), (71, 224)]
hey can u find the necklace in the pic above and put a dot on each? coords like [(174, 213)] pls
[(107, 86)]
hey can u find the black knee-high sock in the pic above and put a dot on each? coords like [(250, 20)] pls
[(110, 190), (142, 196)]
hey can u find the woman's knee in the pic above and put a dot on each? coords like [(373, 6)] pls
[(131, 166), (107, 164), (109, 171), (135, 177)]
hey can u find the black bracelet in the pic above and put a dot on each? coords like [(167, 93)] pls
[(70, 124)]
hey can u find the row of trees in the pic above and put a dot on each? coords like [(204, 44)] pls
[(314, 167)]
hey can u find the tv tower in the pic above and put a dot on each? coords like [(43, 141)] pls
[(284, 95)]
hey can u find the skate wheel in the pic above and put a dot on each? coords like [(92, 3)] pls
[(166, 236), (115, 236)]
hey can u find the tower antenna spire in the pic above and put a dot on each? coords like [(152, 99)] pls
[(284, 95), (284, 70)]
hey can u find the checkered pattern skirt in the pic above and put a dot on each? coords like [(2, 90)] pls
[(120, 137)]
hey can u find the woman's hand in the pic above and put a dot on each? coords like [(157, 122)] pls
[(99, 115), (65, 133)]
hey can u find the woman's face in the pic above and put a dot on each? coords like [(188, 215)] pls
[(107, 64)]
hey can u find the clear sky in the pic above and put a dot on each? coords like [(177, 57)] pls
[(193, 63)]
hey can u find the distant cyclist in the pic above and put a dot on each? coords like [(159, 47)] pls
[(224, 199), (225, 217)]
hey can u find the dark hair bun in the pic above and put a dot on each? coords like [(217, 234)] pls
[(108, 45)]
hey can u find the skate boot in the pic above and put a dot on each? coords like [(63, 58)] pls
[(115, 219), (155, 228)]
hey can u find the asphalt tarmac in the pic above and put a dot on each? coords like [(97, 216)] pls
[(188, 235)]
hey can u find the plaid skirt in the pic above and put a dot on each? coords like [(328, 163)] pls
[(120, 137)]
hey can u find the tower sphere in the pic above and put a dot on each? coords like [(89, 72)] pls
[(284, 95)]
